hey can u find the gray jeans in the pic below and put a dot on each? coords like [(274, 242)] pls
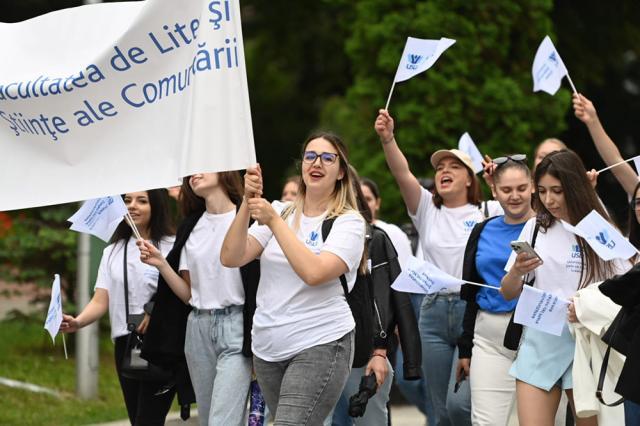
[(304, 389), (219, 372)]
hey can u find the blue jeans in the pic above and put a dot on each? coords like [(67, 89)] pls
[(631, 413), (414, 391), (440, 326), (219, 372), (304, 389), (376, 413)]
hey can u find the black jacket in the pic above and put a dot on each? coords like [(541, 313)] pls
[(164, 340), (468, 292), (392, 308), (624, 290)]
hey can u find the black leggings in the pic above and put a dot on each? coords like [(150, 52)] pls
[(143, 406)]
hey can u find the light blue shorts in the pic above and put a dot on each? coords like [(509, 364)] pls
[(545, 360)]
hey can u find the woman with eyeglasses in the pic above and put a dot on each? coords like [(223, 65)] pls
[(303, 329), (444, 221), (483, 357), (543, 365)]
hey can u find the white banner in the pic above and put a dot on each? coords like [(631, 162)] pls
[(466, 144), (99, 217), (420, 276), (119, 97), (54, 314), (636, 162), (604, 238), (541, 310), (548, 69), (419, 55)]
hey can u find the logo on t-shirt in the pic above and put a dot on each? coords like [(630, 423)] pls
[(312, 241), (468, 225), (575, 251)]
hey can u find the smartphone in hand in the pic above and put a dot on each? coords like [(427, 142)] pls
[(524, 247)]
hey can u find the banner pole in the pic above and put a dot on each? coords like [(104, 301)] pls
[(571, 83), (617, 164), (390, 93)]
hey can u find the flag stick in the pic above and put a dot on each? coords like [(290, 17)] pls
[(617, 164), (64, 345), (483, 285), (133, 226), (571, 83), (390, 93)]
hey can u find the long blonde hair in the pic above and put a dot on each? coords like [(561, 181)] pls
[(344, 198)]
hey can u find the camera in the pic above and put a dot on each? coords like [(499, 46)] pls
[(358, 402)]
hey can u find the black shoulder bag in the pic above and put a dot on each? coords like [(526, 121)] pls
[(616, 340), (513, 333), (133, 365)]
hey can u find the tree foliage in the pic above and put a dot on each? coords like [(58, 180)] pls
[(482, 84)]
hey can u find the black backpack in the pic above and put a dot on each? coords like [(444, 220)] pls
[(360, 300)]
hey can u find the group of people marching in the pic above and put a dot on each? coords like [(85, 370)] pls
[(247, 286)]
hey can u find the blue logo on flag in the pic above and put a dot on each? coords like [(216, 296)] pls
[(603, 238), (414, 61), (553, 58)]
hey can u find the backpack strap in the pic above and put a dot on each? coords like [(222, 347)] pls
[(327, 224)]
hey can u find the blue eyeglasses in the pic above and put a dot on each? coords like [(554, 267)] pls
[(327, 158)]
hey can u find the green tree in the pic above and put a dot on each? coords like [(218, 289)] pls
[(482, 84)]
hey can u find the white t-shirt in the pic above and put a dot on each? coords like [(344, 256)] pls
[(213, 286), (444, 232), (399, 239), (561, 257), (292, 316), (142, 281)]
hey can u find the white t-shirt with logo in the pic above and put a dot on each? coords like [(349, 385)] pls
[(444, 231), (292, 316), (399, 239), (560, 271), (213, 286), (142, 280)]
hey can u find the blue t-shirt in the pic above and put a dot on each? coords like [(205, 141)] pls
[(491, 257)]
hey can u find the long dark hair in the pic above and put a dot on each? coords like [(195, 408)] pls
[(634, 226), (580, 199), (190, 203), (160, 222)]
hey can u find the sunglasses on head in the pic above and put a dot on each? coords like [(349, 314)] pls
[(518, 158), (326, 158)]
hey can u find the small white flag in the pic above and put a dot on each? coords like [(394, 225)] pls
[(466, 144), (636, 162), (541, 310), (420, 276), (604, 239), (548, 69), (54, 314), (99, 217), (419, 55)]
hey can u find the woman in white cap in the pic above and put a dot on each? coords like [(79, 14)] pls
[(444, 221)]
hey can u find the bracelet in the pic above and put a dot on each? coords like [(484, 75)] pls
[(380, 355)]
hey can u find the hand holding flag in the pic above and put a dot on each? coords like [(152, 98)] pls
[(418, 56), (541, 310), (548, 69)]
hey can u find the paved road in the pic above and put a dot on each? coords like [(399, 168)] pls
[(400, 416)]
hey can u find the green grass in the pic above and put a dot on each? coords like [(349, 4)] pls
[(27, 354)]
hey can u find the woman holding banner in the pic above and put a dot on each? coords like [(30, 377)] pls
[(444, 221), (483, 356), (150, 213), (215, 327), (628, 179), (543, 364), (303, 329)]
